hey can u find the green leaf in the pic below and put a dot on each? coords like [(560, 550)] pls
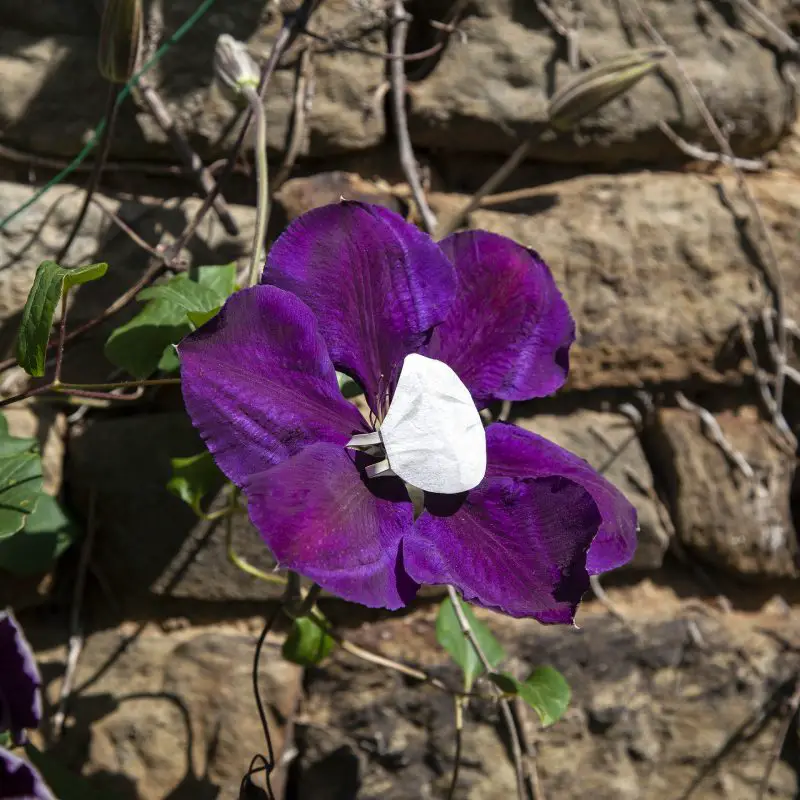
[(199, 318), (47, 534), (5, 739), (505, 682), (307, 644), (145, 343), (20, 480), (37, 317), (139, 345), (545, 690), (193, 478), (182, 293), (11, 445), (221, 280), (64, 784), (451, 638)]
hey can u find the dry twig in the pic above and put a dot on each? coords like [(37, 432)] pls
[(771, 263), (303, 94), (398, 82), (715, 433), (194, 164)]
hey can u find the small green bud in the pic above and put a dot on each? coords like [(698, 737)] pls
[(120, 40), (234, 66), (599, 85)]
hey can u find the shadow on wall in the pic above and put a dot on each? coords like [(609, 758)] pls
[(50, 54)]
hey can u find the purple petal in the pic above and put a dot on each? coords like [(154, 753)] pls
[(514, 452), (516, 545), (19, 780), (259, 385), (320, 519), (376, 284), (20, 684), (509, 329)]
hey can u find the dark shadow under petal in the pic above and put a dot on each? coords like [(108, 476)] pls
[(320, 518), (513, 545), (517, 453)]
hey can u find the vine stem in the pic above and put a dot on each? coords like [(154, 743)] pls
[(262, 173), (97, 391), (505, 708), (458, 708), (397, 73), (234, 557)]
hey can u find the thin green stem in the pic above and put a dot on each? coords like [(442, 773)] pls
[(381, 660), (68, 387), (26, 394), (234, 557), (95, 391), (262, 171), (458, 707), (505, 708), (62, 335)]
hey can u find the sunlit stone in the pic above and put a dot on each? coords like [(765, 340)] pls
[(432, 434)]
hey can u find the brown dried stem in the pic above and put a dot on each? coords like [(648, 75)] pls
[(193, 162), (302, 102), (771, 262), (97, 169), (293, 24), (398, 82)]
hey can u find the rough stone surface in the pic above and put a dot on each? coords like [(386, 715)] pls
[(655, 268), (167, 714), (598, 437), (49, 58), (150, 544), (742, 525), (652, 707), (300, 195), (492, 85), (39, 233)]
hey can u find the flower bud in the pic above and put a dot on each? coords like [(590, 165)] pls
[(120, 40), (599, 85), (234, 66)]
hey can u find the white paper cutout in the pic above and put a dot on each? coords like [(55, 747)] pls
[(432, 433)]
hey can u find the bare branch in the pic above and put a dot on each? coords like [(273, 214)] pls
[(398, 81)]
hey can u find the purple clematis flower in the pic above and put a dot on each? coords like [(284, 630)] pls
[(20, 684), (19, 780), (20, 708), (433, 333)]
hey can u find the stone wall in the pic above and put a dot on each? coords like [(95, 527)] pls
[(659, 264)]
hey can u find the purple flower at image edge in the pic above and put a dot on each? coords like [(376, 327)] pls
[(20, 684), (433, 332), (20, 781), (20, 709)]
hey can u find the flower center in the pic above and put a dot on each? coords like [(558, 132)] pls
[(432, 436)]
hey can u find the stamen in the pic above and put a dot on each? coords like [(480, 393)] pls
[(365, 440), (381, 469)]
